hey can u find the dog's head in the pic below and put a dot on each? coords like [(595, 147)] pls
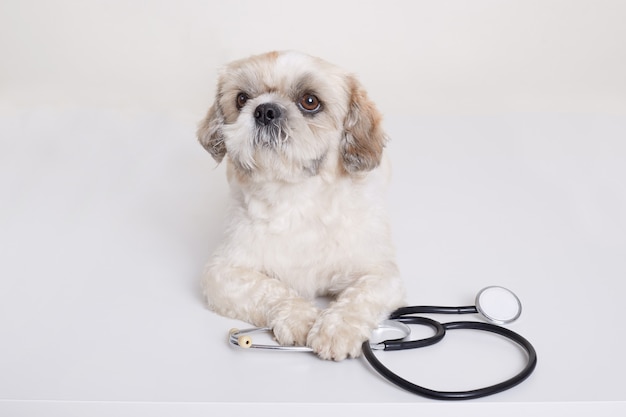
[(289, 115)]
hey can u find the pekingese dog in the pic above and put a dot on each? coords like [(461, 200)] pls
[(304, 151)]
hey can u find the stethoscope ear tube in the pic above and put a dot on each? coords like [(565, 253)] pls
[(454, 395)]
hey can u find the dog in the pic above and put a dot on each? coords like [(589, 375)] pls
[(304, 149)]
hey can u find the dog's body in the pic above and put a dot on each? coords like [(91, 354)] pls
[(305, 164)]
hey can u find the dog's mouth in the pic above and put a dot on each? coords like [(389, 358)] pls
[(272, 135)]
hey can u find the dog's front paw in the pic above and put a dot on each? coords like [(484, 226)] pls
[(292, 322), (336, 337)]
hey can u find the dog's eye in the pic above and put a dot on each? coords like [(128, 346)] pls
[(309, 103), (242, 98)]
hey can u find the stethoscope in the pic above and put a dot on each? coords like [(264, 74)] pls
[(497, 304)]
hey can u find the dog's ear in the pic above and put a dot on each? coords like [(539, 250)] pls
[(210, 132), (363, 137)]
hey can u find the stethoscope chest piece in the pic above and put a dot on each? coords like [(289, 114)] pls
[(498, 304)]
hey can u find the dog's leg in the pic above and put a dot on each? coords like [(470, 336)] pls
[(261, 300), (342, 328)]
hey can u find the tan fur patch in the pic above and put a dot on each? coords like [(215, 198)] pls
[(364, 138), (210, 135)]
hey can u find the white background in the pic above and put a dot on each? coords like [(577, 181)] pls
[(415, 57), (508, 126)]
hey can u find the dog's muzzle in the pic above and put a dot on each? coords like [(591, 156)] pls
[(270, 129)]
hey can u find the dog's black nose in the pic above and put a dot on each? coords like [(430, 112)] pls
[(266, 113)]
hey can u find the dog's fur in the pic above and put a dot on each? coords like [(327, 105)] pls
[(308, 217)]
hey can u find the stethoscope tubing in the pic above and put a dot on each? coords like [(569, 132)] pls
[(439, 328), (452, 395), (405, 311)]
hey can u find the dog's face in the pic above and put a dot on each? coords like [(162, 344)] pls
[(286, 116)]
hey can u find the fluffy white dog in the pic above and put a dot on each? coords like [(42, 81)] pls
[(304, 150)]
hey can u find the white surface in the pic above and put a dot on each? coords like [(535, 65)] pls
[(108, 218)]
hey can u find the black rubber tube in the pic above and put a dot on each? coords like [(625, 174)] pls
[(459, 395)]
